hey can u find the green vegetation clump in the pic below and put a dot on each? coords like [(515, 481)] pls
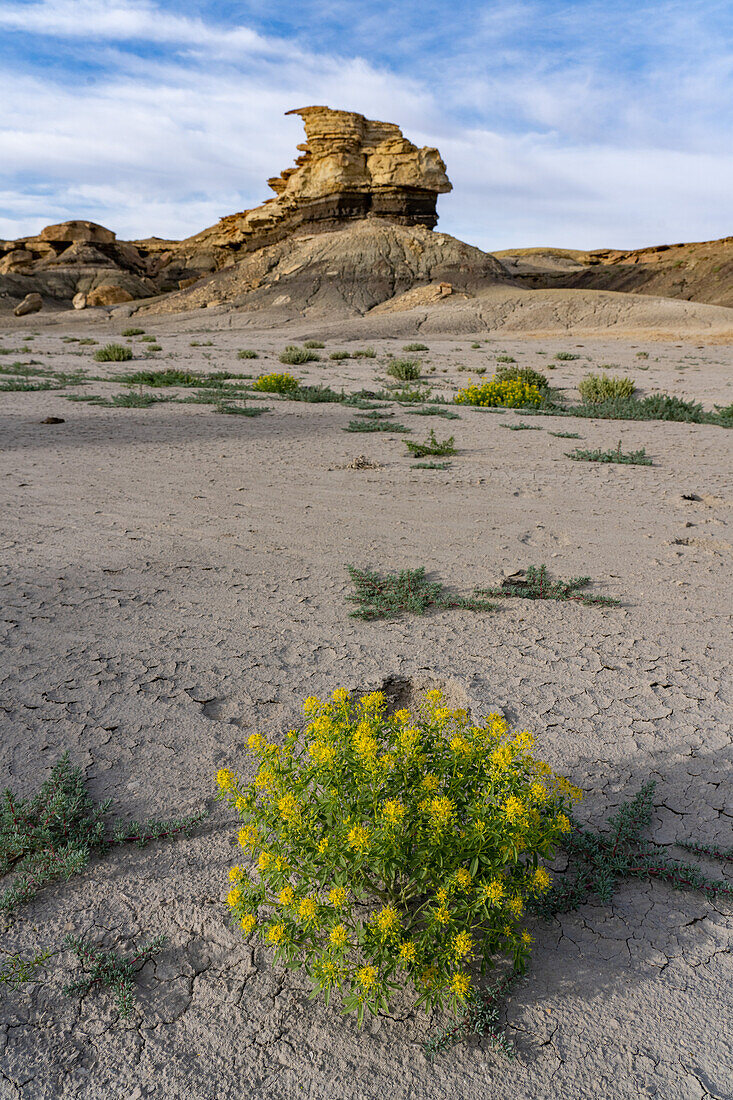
[(337, 356), (435, 410), (566, 356), (565, 435), (430, 466), (597, 861), (295, 355), (406, 370), (432, 446), (520, 426), (416, 347), (313, 344), (242, 410), (364, 353), (525, 375), (595, 387), (247, 353), (113, 353), (536, 585), (276, 383), (380, 596), (505, 359), (630, 458), (102, 967), (366, 904), (375, 426), (134, 332), (52, 834)]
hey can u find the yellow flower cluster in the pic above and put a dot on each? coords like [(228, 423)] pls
[(396, 806), (505, 393), (275, 383)]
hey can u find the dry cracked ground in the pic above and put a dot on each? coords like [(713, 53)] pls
[(174, 579)]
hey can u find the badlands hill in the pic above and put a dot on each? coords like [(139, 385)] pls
[(350, 233), (700, 272)]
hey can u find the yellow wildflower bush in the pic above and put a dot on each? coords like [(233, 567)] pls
[(392, 851), (510, 393), (276, 383)]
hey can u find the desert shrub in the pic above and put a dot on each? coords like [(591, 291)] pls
[(113, 353), (595, 387), (339, 355), (275, 383), (133, 331), (522, 374), (406, 370), (294, 355), (505, 359), (394, 851), (432, 446), (313, 344), (247, 353), (416, 347), (510, 393), (364, 353), (623, 458), (566, 356)]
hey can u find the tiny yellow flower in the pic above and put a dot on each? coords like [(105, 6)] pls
[(225, 779), (264, 861), (286, 895), (493, 891), (514, 809), (247, 923), (307, 909), (256, 742), (460, 984), (337, 897), (429, 782), (463, 878), (340, 695), (442, 915), (541, 879), (288, 807), (387, 921), (527, 939), (233, 897), (393, 812), (516, 906), (276, 933), (323, 844), (440, 811), (407, 952), (462, 945), (263, 780), (366, 976), (339, 937), (358, 837), (562, 822), (235, 873), (311, 705)]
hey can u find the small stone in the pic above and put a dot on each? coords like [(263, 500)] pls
[(53, 420), (79, 301), (32, 303)]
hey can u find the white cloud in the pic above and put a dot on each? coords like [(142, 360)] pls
[(166, 145)]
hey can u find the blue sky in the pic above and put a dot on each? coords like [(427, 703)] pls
[(577, 124)]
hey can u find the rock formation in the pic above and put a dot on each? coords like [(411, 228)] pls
[(350, 169)]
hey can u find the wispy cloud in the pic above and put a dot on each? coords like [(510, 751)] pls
[(574, 123)]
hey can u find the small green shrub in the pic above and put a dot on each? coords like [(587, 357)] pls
[(380, 596), (536, 585), (337, 356), (153, 347), (313, 344), (520, 426), (595, 387), (375, 426), (416, 347), (52, 834), (394, 850), (242, 410), (566, 356), (364, 353), (505, 359), (247, 353), (113, 353), (632, 458), (406, 370), (525, 375), (642, 355), (276, 383), (432, 446), (295, 355), (430, 466), (133, 332), (103, 967), (148, 340)]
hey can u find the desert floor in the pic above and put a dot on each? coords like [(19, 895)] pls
[(174, 579)]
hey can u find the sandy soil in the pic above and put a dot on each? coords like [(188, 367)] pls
[(174, 579)]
